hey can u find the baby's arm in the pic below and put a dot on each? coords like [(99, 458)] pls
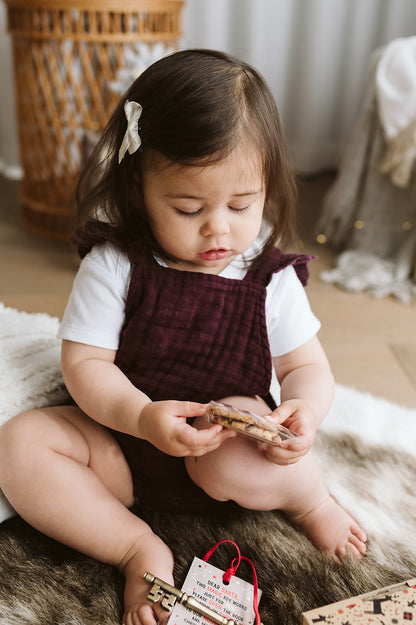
[(104, 393), (307, 388)]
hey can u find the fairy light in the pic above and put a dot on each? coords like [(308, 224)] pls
[(359, 224)]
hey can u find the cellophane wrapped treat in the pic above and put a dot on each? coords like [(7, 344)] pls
[(249, 424)]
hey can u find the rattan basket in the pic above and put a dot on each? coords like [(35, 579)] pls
[(68, 57)]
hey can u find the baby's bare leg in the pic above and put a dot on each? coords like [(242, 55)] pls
[(67, 477), (238, 470)]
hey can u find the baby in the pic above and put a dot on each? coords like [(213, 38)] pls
[(182, 297)]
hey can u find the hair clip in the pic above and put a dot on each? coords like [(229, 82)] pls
[(131, 140)]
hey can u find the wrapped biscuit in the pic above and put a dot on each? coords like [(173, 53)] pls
[(249, 424)]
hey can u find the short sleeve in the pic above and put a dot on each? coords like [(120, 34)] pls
[(95, 311), (290, 320)]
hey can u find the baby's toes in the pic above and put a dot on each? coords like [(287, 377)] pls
[(359, 533), (359, 543), (356, 547), (358, 538)]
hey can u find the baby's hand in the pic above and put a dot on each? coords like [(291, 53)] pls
[(163, 424), (299, 417)]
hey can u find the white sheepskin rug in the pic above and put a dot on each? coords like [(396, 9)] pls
[(30, 375)]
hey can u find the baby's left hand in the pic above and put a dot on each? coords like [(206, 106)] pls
[(299, 417)]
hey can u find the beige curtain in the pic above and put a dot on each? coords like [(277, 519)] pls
[(314, 54)]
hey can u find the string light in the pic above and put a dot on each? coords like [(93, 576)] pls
[(358, 225)]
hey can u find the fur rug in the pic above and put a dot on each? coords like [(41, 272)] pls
[(365, 449)]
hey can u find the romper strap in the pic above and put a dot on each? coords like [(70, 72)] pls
[(275, 261)]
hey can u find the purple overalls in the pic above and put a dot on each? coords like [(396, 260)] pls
[(194, 337)]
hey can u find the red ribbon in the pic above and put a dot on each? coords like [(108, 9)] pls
[(232, 571)]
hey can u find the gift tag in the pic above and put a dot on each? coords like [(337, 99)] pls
[(233, 600)]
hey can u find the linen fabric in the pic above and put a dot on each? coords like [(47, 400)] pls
[(192, 336)]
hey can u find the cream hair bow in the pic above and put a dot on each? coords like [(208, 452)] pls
[(131, 140)]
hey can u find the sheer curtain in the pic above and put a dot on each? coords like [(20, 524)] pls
[(9, 151), (313, 53)]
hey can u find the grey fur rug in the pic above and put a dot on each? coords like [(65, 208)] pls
[(42, 582), (366, 451)]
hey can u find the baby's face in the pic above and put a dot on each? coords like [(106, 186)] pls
[(206, 216)]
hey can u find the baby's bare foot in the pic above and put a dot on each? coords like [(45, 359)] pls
[(152, 556), (332, 530)]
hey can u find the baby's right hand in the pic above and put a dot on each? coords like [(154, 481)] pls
[(164, 424)]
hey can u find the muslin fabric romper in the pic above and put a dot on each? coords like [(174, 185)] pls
[(192, 336)]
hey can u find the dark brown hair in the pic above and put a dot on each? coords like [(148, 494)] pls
[(196, 106)]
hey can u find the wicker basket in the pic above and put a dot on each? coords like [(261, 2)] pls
[(67, 57)]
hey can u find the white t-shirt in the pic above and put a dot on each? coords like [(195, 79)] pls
[(95, 311)]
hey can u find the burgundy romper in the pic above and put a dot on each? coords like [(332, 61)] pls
[(193, 337)]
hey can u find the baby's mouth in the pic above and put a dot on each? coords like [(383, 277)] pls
[(215, 254)]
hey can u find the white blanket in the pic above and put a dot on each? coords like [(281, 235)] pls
[(395, 83)]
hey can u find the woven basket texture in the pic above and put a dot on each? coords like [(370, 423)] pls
[(67, 58)]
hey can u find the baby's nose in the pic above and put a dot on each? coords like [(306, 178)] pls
[(215, 224)]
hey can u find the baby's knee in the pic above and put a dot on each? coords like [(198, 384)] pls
[(15, 432), (238, 469), (17, 438), (231, 472), (27, 439), (211, 482)]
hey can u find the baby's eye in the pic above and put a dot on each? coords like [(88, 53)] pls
[(238, 209), (188, 213)]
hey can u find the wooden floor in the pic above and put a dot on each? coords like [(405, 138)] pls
[(371, 343)]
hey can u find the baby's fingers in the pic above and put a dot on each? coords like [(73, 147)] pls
[(203, 441), (284, 455), (145, 614)]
